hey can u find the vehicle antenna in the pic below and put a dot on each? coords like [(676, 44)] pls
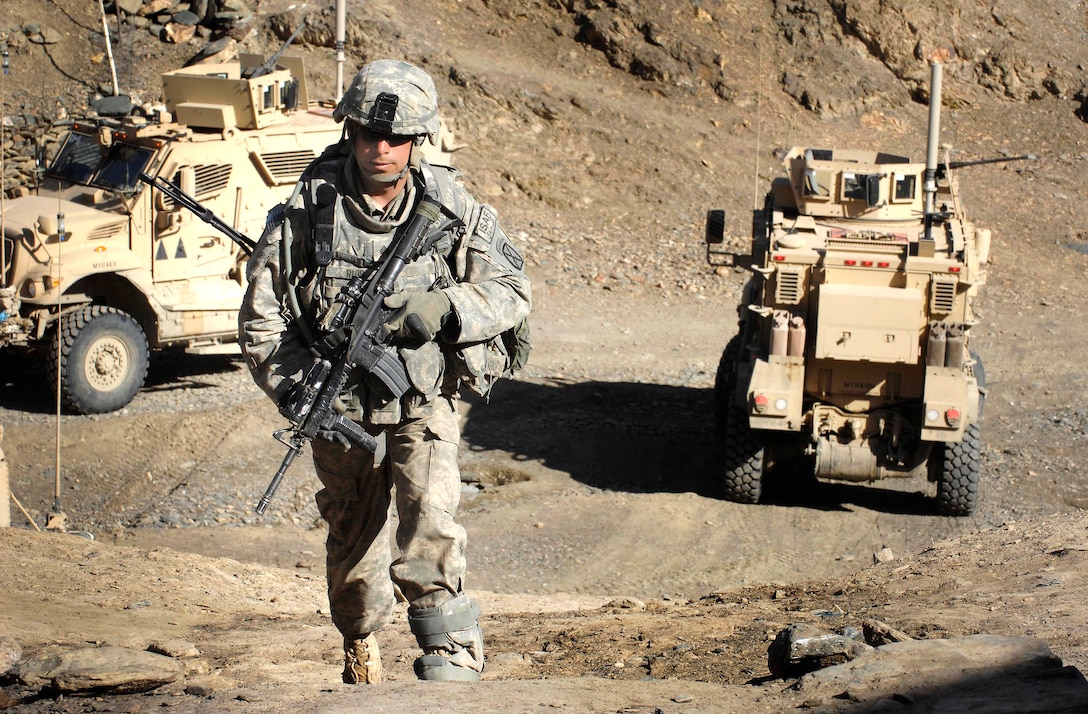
[(56, 511), (3, 253), (759, 125), (109, 47), (341, 14)]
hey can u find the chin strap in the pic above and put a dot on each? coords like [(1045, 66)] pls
[(413, 162)]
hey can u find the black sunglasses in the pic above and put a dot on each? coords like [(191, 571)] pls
[(373, 137)]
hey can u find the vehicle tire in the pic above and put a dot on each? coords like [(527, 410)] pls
[(725, 383), (957, 479), (101, 360), (743, 482)]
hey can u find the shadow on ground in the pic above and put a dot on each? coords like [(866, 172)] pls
[(647, 438)]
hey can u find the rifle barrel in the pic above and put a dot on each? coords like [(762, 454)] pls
[(292, 451), (270, 63)]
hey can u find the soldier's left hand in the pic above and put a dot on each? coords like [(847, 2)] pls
[(422, 315)]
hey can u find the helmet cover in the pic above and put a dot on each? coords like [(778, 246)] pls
[(391, 97)]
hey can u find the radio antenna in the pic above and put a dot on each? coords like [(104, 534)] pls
[(759, 124)]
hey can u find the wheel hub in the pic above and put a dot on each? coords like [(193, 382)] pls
[(106, 364)]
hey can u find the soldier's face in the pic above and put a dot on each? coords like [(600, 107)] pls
[(381, 154)]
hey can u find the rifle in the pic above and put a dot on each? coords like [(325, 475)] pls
[(204, 214), (270, 63), (353, 336)]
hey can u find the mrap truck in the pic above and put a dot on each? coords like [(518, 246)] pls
[(99, 268), (853, 358)]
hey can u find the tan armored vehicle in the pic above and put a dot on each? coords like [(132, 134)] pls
[(853, 356), (117, 267)]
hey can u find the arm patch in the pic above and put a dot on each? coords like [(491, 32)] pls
[(511, 254), (485, 224)]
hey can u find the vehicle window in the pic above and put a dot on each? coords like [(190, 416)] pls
[(77, 160), (122, 167), (904, 187)]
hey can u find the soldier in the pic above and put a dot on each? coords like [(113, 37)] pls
[(456, 302)]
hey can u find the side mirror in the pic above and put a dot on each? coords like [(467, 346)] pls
[(715, 226)]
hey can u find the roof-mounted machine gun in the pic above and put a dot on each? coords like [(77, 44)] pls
[(270, 63)]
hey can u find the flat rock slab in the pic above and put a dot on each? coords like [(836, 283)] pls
[(100, 670), (10, 652), (984, 674)]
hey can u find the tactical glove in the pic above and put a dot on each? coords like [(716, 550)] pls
[(335, 437), (422, 317)]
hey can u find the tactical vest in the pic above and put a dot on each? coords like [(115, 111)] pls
[(338, 250)]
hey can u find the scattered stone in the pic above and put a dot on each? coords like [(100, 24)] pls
[(178, 34), (177, 649), (802, 648), (878, 633), (186, 18), (129, 7), (196, 689), (153, 7), (976, 673), (118, 105), (884, 555), (99, 670), (10, 654)]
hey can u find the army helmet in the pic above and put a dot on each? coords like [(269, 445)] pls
[(392, 97)]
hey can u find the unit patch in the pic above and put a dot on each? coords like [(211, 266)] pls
[(511, 253), (485, 226)]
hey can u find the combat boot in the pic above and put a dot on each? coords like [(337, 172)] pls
[(452, 642), (362, 660)]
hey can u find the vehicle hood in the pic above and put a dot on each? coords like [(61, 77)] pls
[(23, 212)]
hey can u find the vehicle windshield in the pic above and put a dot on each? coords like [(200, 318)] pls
[(82, 160)]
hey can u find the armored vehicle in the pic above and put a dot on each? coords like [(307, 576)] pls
[(100, 268), (853, 356)]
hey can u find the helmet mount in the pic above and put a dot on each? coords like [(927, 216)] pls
[(383, 113)]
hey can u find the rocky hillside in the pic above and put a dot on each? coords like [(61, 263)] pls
[(602, 130)]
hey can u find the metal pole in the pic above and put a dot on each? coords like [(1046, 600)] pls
[(6, 496), (109, 47), (56, 464), (341, 31), (3, 239), (934, 136)]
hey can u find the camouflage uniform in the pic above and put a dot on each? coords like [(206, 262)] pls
[(480, 272)]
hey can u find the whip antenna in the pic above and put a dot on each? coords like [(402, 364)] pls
[(759, 127)]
